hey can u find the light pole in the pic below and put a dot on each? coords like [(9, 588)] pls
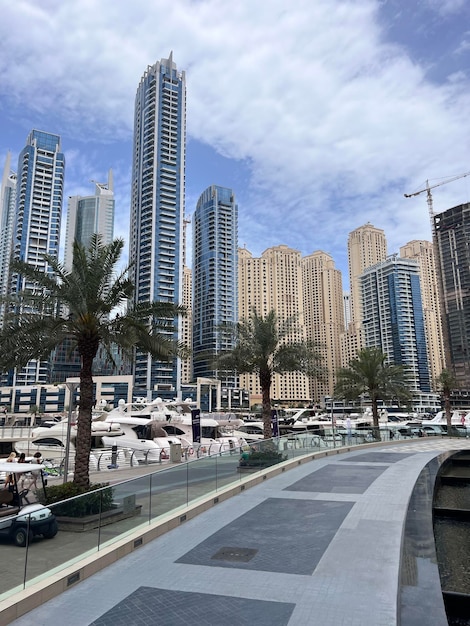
[(72, 387)]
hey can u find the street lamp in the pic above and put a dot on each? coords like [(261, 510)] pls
[(72, 387)]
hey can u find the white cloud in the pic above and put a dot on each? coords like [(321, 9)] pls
[(334, 123)]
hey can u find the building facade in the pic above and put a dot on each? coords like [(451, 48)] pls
[(87, 215), (274, 282), (323, 303), (215, 280), (423, 253), (366, 246), (157, 208), (452, 231), (7, 221), (393, 317), (40, 185), (187, 326)]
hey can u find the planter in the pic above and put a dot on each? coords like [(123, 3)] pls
[(89, 522)]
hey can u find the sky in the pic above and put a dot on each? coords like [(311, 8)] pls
[(319, 114)]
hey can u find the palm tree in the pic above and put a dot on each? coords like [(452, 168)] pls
[(368, 374), (262, 347), (84, 308), (446, 383)]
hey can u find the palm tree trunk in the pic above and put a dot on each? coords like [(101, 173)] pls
[(83, 443), (265, 383), (375, 420), (448, 412)]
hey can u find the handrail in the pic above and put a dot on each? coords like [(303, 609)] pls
[(223, 468)]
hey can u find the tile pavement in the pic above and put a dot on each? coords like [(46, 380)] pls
[(319, 544)]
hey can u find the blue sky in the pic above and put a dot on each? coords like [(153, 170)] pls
[(320, 114)]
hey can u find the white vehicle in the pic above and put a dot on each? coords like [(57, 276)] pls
[(20, 522)]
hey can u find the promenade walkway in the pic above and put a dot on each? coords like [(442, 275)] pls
[(318, 544)]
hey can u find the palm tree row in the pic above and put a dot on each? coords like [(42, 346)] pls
[(83, 308)]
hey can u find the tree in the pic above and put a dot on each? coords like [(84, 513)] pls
[(369, 374), (446, 383), (263, 347), (83, 307)]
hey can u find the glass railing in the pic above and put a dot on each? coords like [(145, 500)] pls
[(93, 521)]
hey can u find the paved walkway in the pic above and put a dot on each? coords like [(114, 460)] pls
[(319, 544)]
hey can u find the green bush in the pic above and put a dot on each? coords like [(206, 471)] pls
[(262, 458), (75, 501)]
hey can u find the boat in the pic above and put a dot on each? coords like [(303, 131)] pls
[(51, 441), (159, 423)]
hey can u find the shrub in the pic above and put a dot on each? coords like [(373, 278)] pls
[(74, 501), (262, 458)]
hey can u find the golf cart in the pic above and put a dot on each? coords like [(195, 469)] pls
[(20, 521)]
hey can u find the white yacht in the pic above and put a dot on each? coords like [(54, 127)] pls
[(152, 428), (51, 441)]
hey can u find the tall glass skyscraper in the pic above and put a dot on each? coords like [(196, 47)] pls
[(40, 186), (87, 215), (215, 278), (157, 208), (393, 318), (7, 220)]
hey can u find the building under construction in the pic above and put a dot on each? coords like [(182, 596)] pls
[(452, 233)]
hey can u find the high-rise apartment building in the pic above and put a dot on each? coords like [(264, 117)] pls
[(323, 305), (274, 282), (187, 326), (366, 246), (423, 253), (393, 318), (88, 215), (452, 230), (215, 282), (39, 197), (157, 208), (7, 221)]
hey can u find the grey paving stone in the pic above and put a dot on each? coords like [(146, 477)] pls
[(288, 536), (377, 457), (344, 478), (148, 606)]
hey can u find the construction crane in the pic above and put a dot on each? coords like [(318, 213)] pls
[(428, 188)]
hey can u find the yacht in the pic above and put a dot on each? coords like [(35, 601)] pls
[(159, 423), (51, 441)]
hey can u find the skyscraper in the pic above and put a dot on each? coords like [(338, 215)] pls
[(366, 246), (157, 207), (215, 279), (393, 317), (423, 252), (87, 215), (7, 220), (324, 316), (40, 186), (452, 229), (274, 282)]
